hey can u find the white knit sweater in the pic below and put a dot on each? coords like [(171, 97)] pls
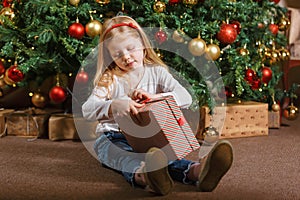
[(155, 80)]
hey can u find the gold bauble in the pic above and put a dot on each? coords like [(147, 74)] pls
[(275, 107), (197, 46), (159, 54), (244, 51), (291, 112), (39, 100), (267, 52), (7, 80), (159, 6), (74, 2), (284, 24), (284, 54), (7, 12), (177, 36), (262, 49), (272, 55), (275, 54), (190, 2), (103, 2), (93, 28), (210, 135), (213, 52)]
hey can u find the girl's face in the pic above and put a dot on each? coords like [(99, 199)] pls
[(127, 52)]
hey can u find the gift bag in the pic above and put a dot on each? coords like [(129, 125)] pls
[(160, 123)]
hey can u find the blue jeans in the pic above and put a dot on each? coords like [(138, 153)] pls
[(114, 152)]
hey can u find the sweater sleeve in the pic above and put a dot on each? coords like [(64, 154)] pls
[(171, 86), (97, 105)]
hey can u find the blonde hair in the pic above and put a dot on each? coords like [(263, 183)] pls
[(114, 27)]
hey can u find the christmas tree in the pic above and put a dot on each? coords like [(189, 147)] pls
[(244, 39)]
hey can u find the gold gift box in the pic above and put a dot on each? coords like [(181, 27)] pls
[(235, 120), (28, 122), (3, 126), (64, 126)]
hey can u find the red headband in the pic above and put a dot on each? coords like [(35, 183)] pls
[(120, 24)]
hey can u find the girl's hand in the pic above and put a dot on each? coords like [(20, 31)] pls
[(140, 94), (121, 107)]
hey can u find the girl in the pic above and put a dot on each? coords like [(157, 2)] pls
[(128, 70)]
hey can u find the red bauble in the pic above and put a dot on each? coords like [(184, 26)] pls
[(14, 74), (274, 28), (82, 77), (228, 91), (172, 2), (6, 3), (275, 1), (266, 74), (255, 84), (237, 25), (227, 34), (57, 94), (76, 30), (2, 68), (250, 75), (161, 36)]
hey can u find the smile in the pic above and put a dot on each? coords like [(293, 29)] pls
[(130, 64)]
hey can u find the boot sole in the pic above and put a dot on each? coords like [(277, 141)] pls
[(156, 172), (217, 164)]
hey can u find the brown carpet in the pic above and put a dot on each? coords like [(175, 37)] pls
[(265, 167)]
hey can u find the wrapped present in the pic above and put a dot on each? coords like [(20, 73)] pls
[(160, 123), (274, 119), (235, 120), (3, 126), (64, 126), (29, 122)]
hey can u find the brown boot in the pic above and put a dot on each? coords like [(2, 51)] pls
[(156, 172), (215, 165)]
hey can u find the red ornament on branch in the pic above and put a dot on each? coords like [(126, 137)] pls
[(266, 74), (161, 36), (82, 77), (57, 94), (250, 75), (14, 74), (172, 2), (274, 28), (237, 25), (255, 84), (275, 1), (228, 92), (227, 34), (7, 3), (76, 30)]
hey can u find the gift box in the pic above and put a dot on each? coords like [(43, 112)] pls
[(274, 119), (235, 120), (64, 126), (28, 122), (160, 123), (3, 126)]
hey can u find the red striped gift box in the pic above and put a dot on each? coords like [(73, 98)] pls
[(160, 123)]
